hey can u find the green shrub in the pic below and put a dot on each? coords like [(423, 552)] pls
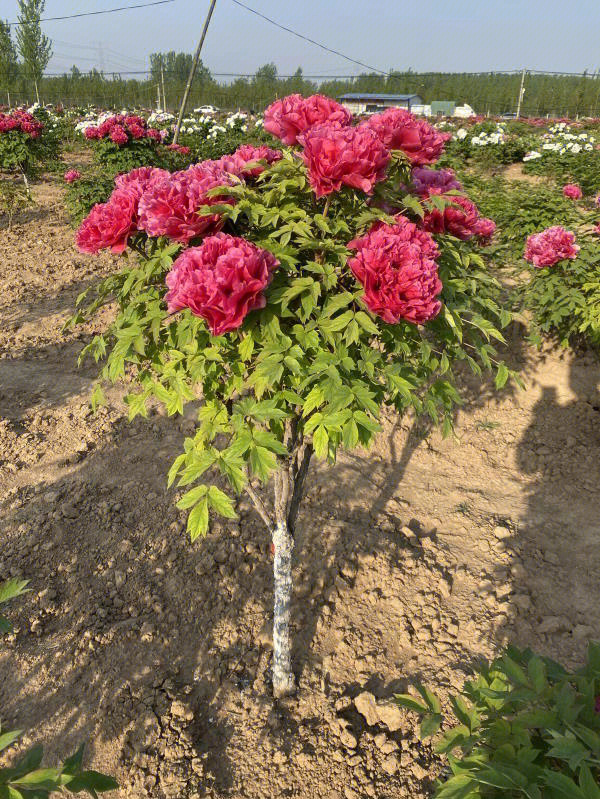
[(563, 301), (525, 727), (13, 197), (581, 168)]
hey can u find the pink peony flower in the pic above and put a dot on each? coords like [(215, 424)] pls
[(179, 148), (118, 134), (169, 207), (293, 115), (398, 129), (459, 219), (21, 120), (221, 281), (141, 178), (396, 266), (349, 156), (572, 191), (109, 225), (71, 175), (236, 163), (136, 131), (427, 181), (485, 229), (550, 246)]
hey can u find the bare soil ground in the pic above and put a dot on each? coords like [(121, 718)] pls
[(413, 560)]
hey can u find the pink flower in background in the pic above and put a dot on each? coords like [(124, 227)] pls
[(169, 207), (398, 129), (597, 201), (550, 246), (289, 117), (109, 225), (343, 156), (179, 148), (118, 135), (221, 281), (136, 131), (396, 265), (572, 191), (237, 162), (71, 175), (459, 218), (426, 181), (21, 120)]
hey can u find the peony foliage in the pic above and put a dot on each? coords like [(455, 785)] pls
[(296, 295)]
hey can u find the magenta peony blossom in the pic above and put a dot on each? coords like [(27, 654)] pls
[(22, 121), (140, 179), (349, 156), (459, 219), (179, 148), (550, 246), (427, 181), (169, 207), (398, 129), (485, 229), (71, 175), (109, 224), (222, 280), (118, 134), (236, 163), (572, 191), (293, 115), (396, 266)]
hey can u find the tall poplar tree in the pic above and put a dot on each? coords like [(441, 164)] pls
[(8, 59), (35, 48)]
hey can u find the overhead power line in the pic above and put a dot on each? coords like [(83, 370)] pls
[(105, 11), (308, 39)]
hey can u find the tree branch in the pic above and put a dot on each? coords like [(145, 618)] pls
[(260, 507), (299, 479)]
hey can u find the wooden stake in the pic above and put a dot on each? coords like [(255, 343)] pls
[(193, 70)]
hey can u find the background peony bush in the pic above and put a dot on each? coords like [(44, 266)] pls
[(293, 292)]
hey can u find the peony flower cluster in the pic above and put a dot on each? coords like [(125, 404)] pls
[(237, 162), (290, 117), (21, 121), (396, 265), (122, 129), (572, 191), (398, 129), (338, 156), (71, 175), (156, 201), (550, 246), (221, 281), (434, 181), (460, 218)]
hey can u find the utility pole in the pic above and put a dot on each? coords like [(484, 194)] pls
[(162, 80), (158, 97), (193, 70), (521, 93)]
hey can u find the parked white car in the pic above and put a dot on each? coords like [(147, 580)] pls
[(206, 109)]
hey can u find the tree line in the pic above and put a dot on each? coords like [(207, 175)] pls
[(24, 61)]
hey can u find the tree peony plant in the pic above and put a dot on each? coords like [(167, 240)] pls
[(295, 317)]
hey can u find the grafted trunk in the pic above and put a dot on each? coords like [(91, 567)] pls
[(283, 677), (280, 520)]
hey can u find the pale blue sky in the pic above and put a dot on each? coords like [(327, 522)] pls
[(448, 35)]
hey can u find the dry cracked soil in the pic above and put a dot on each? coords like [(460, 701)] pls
[(412, 561)]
